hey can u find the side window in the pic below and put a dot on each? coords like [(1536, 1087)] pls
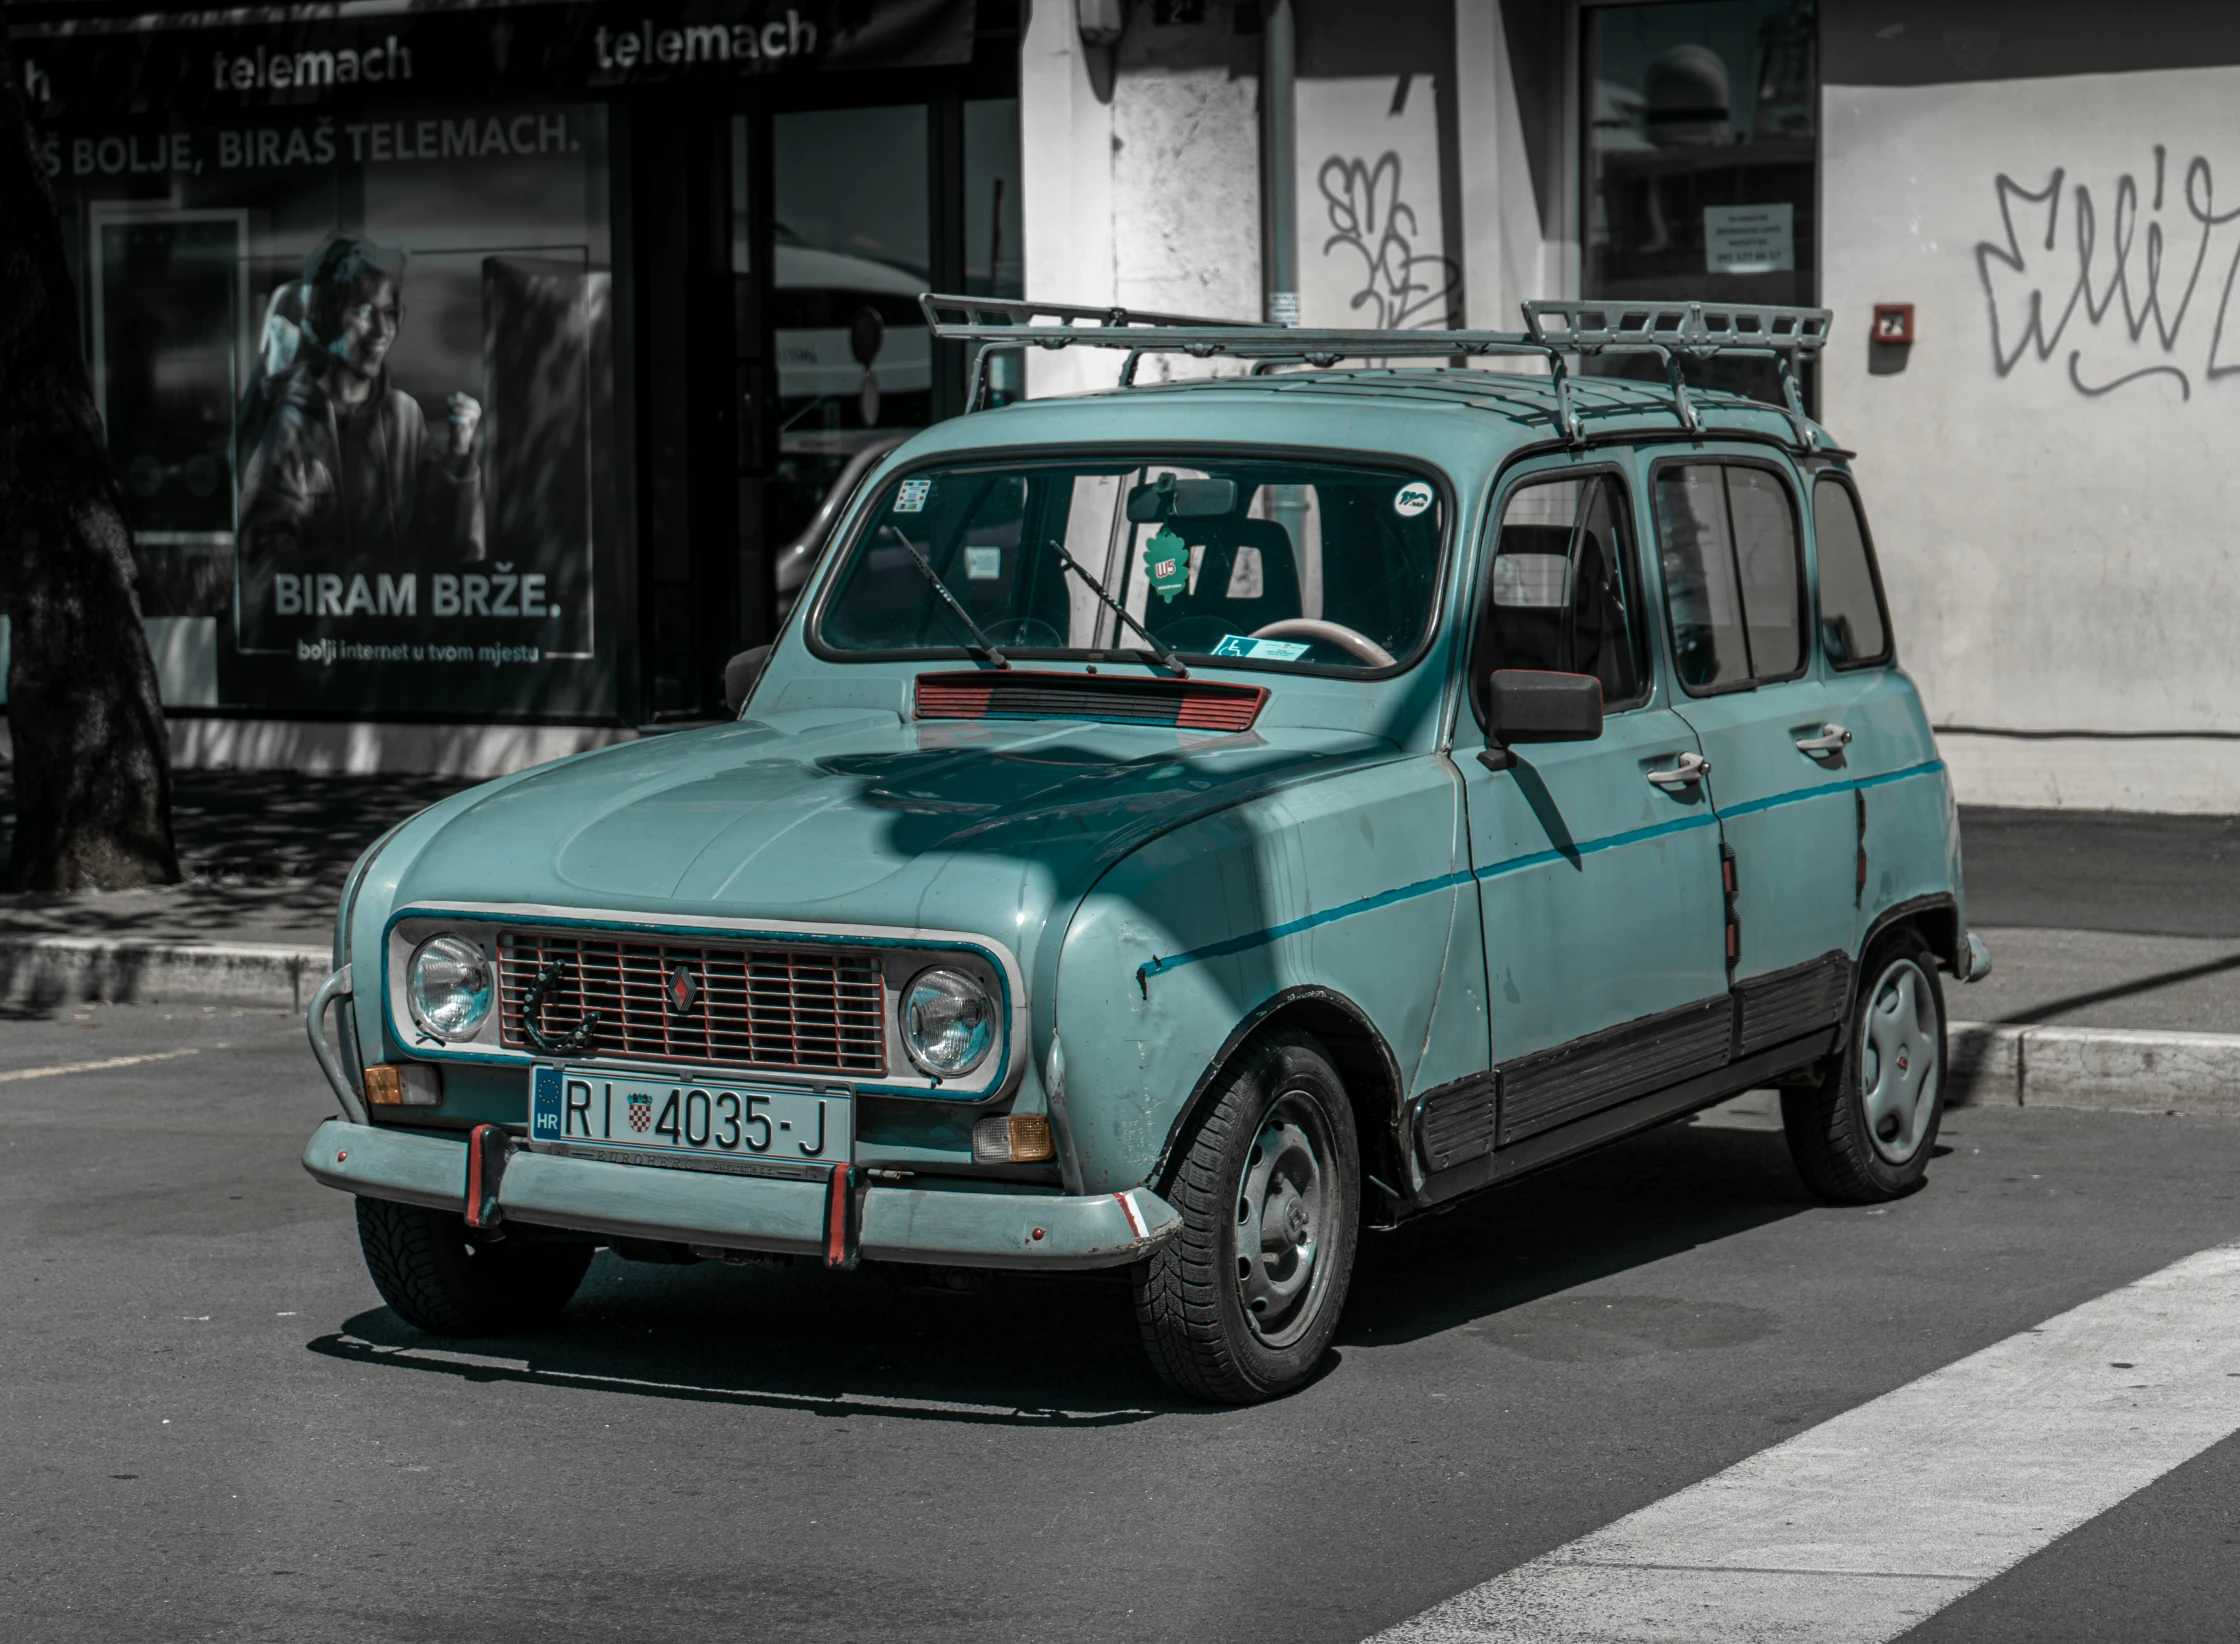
[(1559, 594), (1733, 579), (1852, 629)]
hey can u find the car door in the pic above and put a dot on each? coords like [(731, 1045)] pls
[(1731, 559), (1900, 803), (1597, 863)]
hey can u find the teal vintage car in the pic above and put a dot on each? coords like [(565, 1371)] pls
[(1183, 826)]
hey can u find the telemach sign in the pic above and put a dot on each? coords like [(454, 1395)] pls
[(218, 62)]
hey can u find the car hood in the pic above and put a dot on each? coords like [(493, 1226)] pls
[(975, 826)]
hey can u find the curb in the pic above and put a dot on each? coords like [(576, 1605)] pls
[(39, 971), (2105, 1070)]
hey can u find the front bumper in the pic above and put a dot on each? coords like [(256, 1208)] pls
[(952, 1225)]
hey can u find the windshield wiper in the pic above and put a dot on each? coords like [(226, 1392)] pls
[(980, 641), (1119, 610)]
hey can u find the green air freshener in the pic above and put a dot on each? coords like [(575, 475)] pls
[(1166, 561)]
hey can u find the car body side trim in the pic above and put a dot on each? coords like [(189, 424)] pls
[(1164, 963), (1858, 784), (1613, 1124), (1159, 965)]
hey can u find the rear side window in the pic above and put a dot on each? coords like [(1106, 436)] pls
[(1559, 594), (1853, 630), (1733, 579)]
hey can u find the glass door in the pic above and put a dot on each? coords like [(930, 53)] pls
[(1699, 164), (841, 218), (851, 233)]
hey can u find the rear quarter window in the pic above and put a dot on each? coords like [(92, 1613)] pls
[(1854, 626)]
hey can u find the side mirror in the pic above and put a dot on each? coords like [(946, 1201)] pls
[(740, 673), (1525, 705)]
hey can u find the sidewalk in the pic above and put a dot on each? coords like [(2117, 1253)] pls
[(2115, 937), (265, 854)]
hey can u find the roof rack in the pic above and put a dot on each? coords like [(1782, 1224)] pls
[(1553, 330)]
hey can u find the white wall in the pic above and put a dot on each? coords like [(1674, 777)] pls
[(1150, 199), (1372, 240), (2050, 478)]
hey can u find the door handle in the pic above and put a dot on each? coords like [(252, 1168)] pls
[(1831, 738), (1687, 771)]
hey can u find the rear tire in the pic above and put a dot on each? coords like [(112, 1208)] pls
[(1239, 1305), (1863, 1135), (435, 1278)]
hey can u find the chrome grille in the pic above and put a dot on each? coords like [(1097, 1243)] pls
[(753, 1007)]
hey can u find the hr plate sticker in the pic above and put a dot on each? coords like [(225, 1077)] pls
[(911, 499)]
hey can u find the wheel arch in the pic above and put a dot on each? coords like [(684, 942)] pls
[(1360, 1053), (1936, 917)]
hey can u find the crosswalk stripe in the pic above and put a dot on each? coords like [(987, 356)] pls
[(1859, 1529)]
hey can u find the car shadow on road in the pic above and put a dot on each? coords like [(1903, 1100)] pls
[(1625, 1207), (1061, 1351), (1033, 1351)]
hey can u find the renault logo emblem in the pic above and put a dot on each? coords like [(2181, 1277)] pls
[(681, 991)]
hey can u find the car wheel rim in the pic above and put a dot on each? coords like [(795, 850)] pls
[(1283, 1218), (1898, 1071)]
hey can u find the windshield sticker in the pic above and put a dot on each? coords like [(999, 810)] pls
[(1262, 650), (911, 499), (983, 564), (1411, 499), (1166, 561)]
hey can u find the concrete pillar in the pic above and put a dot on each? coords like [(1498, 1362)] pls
[(1065, 186), (1505, 257)]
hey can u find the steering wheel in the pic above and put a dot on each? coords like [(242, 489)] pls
[(1358, 645)]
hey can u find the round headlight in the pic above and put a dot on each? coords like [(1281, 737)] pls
[(448, 985), (948, 1022)]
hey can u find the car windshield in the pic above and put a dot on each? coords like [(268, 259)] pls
[(1245, 562)]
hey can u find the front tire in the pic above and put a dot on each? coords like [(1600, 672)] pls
[(1863, 1135), (1239, 1305), (436, 1279)]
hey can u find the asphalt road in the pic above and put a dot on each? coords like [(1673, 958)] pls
[(210, 1427)]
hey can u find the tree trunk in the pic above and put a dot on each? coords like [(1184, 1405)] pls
[(92, 758)]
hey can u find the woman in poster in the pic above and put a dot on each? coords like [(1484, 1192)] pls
[(345, 478)]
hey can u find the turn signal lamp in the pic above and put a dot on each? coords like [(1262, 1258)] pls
[(1013, 1138), (403, 1084)]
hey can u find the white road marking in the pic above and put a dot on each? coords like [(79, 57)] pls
[(1862, 1527), (91, 1067)]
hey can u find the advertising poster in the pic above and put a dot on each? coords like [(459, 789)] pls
[(348, 287), (362, 463)]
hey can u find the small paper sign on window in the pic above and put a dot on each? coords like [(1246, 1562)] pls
[(1749, 239)]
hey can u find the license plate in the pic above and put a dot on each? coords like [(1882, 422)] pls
[(712, 1118)]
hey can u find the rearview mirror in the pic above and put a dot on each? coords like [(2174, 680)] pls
[(1169, 498), (1526, 705)]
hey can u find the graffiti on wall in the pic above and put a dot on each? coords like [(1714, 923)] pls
[(1401, 287), (2136, 283)]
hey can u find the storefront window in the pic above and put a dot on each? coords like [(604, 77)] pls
[(1699, 160), (355, 374), (852, 250)]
